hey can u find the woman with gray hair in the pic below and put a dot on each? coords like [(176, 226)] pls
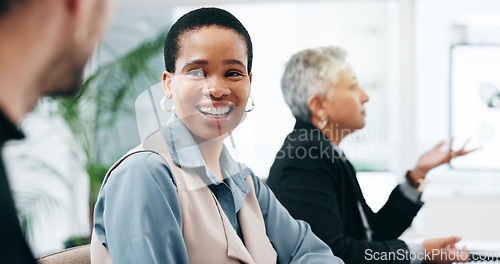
[(315, 181)]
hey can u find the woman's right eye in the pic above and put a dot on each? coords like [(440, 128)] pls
[(198, 73)]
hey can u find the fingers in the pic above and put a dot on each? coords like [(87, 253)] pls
[(444, 250), (456, 239), (455, 253), (460, 256), (462, 151), (465, 144), (452, 256), (465, 255), (439, 145), (465, 152), (453, 247), (450, 241)]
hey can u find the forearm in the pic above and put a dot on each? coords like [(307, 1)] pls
[(395, 216)]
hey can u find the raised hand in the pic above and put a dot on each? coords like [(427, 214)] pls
[(433, 158)]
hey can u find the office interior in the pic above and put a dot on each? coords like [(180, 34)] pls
[(430, 68)]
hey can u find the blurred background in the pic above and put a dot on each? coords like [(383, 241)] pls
[(430, 67)]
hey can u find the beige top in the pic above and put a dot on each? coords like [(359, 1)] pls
[(207, 232)]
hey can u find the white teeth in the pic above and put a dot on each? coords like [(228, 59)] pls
[(215, 110)]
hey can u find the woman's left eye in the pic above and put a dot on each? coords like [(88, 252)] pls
[(234, 74)]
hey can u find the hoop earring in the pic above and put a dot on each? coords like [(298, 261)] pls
[(251, 106), (322, 122), (162, 104)]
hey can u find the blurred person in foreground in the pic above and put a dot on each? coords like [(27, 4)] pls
[(316, 182), (180, 197), (44, 46)]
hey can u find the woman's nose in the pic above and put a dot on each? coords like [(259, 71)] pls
[(215, 87), (364, 97)]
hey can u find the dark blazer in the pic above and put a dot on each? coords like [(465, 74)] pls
[(316, 183), (13, 247)]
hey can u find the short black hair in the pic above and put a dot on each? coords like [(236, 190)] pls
[(196, 19)]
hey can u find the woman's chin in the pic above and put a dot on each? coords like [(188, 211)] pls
[(206, 135), (210, 131), (211, 127)]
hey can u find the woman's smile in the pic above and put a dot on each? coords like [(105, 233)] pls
[(216, 113), (211, 85)]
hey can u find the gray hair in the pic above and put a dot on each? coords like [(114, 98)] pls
[(310, 72)]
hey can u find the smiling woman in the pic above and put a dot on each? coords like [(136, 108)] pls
[(180, 197), (211, 84)]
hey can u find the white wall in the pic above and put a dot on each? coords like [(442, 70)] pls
[(472, 217), (457, 202), (434, 36)]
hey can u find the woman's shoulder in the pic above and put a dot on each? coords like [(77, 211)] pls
[(143, 165), (142, 158)]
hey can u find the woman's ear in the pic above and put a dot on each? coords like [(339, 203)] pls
[(316, 106), (167, 80)]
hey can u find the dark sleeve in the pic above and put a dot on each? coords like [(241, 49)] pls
[(395, 216), (308, 191), (13, 247), (293, 239)]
